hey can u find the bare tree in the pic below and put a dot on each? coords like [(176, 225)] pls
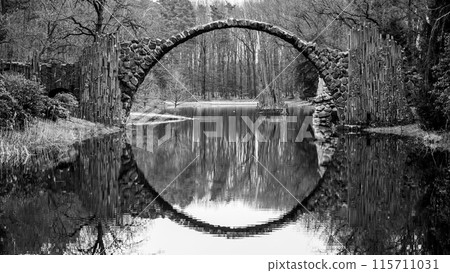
[(98, 17)]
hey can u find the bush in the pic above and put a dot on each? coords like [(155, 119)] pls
[(68, 101), (431, 117), (54, 109), (11, 114), (433, 106), (29, 94), (441, 90), (21, 100)]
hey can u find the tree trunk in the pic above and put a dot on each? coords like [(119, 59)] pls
[(3, 6), (204, 68), (99, 6), (249, 74), (254, 87), (432, 31)]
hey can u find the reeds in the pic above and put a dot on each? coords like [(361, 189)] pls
[(18, 145)]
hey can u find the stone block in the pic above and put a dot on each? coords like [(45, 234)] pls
[(134, 81), (125, 44), (337, 95), (336, 74), (131, 86), (324, 114), (328, 79), (122, 69), (125, 97), (139, 71)]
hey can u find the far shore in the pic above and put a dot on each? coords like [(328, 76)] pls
[(228, 103), (155, 116), (433, 140)]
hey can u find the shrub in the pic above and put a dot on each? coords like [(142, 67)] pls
[(433, 106), (29, 94), (431, 117), (441, 90), (11, 114), (54, 109), (23, 100), (68, 101)]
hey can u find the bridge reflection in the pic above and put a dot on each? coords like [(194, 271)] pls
[(140, 199), (378, 195)]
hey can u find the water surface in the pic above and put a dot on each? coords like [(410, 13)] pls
[(124, 193)]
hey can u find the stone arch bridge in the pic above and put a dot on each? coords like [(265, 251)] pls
[(138, 57)]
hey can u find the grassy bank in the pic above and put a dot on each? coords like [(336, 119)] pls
[(433, 140), (46, 135)]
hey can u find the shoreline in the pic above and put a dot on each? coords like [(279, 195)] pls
[(228, 103), (430, 139), (47, 137), (156, 117)]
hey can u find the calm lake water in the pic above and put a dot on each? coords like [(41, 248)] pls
[(192, 194)]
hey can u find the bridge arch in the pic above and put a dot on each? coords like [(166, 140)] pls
[(140, 199), (138, 57)]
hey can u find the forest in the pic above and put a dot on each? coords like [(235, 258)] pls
[(236, 63)]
